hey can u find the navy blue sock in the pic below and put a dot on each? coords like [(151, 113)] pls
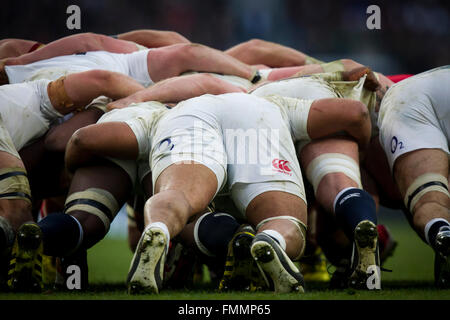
[(353, 206), (433, 231), (214, 231), (61, 234)]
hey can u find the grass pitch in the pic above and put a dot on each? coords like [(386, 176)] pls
[(412, 277)]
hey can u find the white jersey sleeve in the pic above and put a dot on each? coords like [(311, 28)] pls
[(26, 111)]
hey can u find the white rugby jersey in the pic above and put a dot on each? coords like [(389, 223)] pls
[(26, 111)]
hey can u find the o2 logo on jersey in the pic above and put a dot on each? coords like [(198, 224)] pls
[(396, 144), (167, 144), (281, 166)]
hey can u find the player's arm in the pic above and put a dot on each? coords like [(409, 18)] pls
[(274, 55), (77, 43), (348, 74), (153, 38), (177, 89), (108, 139), (330, 116), (79, 89)]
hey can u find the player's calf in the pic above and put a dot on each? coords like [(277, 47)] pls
[(269, 251)]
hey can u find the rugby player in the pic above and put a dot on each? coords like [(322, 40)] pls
[(77, 43), (101, 184), (345, 178), (413, 122), (284, 213), (74, 226), (332, 164), (83, 42), (36, 105), (146, 66)]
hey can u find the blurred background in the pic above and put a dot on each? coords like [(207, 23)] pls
[(414, 35)]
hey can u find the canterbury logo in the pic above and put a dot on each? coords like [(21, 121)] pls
[(281, 165)]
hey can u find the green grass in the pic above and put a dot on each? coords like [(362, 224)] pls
[(412, 277)]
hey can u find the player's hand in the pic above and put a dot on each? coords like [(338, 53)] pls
[(119, 104), (371, 82)]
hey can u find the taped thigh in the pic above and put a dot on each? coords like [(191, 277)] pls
[(14, 184), (297, 222), (428, 182), (332, 163), (333, 66), (97, 202)]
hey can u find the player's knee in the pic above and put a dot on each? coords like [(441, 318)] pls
[(357, 112), (254, 43), (190, 51), (10, 49), (78, 139), (89, 41), (176, 37)]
